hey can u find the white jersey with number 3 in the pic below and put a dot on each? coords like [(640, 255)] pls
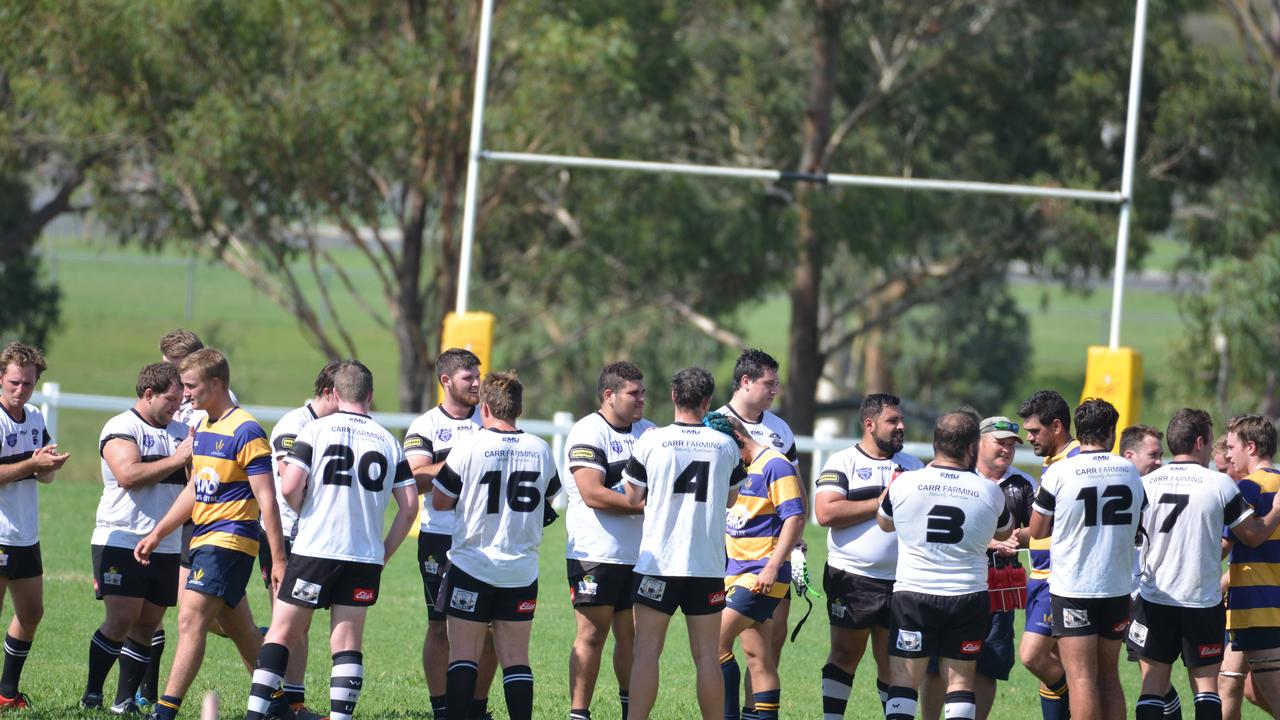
[(352, 465), (501, 480), (1096, 501), (944, 518), (1189, 505), (688, 471)]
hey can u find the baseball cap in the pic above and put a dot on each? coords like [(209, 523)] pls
[(1001, 427)]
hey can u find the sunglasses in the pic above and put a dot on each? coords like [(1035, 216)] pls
[(1005, 425)]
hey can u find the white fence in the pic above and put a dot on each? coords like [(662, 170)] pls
[(51, 399)]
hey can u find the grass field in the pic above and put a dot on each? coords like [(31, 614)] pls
[(117, 302)]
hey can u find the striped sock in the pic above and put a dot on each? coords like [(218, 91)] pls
[(579, 715), (150, 687), (624, 697), (167, 707), (295, 693), (15, 656), (517, 686), (836, 686), (882, 689), (1149, 707), (345, 683), (1053, 701), (134, 659), (960, 705), (460, 685), (103, 652), (1208, 706), (1172, 705), (749, 713), (732, 682), (437, 707), (268, 675), (768, 703), (900, 703)]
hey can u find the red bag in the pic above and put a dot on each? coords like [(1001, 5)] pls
[(1007, 588)]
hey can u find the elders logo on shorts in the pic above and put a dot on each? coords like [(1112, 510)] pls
[(364, 595), (652, 588), (909, 640), (716, 598), (527, 606), (307, 592), (464, 600), (970, 647), (112, 576), (1210, 651), (1138, 634), (1075, 618)]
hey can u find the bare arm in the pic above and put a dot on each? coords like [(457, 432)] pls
[(885, 523), (424, 472), (406, 515), (440, 501), (1041, 525), (1254, 530), (42, 464), (125, 461), (792, 529), (591, 487), (636, 496), (179, 513), (264, 491), (293, 485), (733, 497), (835, 511)]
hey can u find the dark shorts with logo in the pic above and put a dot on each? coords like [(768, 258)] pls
[(433, 558), (758, 607), (220, 572), (1079, 617), (951, 626), (594, 584), (116, 572), (856, 601), (312, 582), (997, 657), (265, 563), (692, 595), (19, 562), (463, 596), (1039, 609), (1160, 633)]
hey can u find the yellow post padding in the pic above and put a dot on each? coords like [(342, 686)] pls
[(1116, 376), (472, 331)]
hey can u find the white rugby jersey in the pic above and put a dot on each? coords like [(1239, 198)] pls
[(19, 501), (283, 436), (770, 431), (1096, 500), (352, 465), (863, 548), (595, 535), (688, 470), (1188, 505), (127, 516), (944, 517), (433, 435), (501, 480)]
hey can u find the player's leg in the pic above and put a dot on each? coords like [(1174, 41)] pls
[(848, 645), (237, 624), (1080, 660), (511, 644), (732, 624), (762, 668), (288, 622), (777, 640), (1264, 668), (435, 643), (135, 654), (346, 640), (933, 690), (704, 641), (1204, 685), (28, 609), (488, 668), (905, 675), (1231, 677), (106, 643), (1112, 692), (1038, 652), (196, 612), (858, 611), (593, 625), (961, 698), (624, 646), (466, 641), (651, 635)]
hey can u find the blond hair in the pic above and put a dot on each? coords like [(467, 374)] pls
[(208, 364), (178, 344), (15, 353)]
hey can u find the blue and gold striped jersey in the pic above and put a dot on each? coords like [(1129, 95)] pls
[(227, 451), (770, 495), (1253, 598)]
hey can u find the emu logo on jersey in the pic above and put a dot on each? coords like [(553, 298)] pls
[(444, 434), (11, 439), (1138, 634), (864, 473), (615, 446), (909, 640), (652, 588), (464, 600), (306, 592)]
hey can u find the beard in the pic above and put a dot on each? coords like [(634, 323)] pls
[(891, 446)]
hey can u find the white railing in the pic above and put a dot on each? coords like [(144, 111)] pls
[(51, 399)]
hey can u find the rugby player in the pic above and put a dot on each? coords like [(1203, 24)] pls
[(1179, 608), (501, 481), (765, 521), (603, 533), (340, 473), (1092, 502), (861, 556), (27, 456), (231, 484), (1046, 418), (1140, 445), (944, 516), (145, 453), (684, 475), (426, 446)]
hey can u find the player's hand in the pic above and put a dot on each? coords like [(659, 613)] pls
[(142, 553), (48, 459), (765, 580), (187, 446), (1004, 548), (277, 576)]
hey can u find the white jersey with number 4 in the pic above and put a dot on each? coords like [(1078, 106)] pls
[(126, 516), (863, 548), (1188, 505), (1096, 501), (688, 471), (600, 535), (944, 517), (433, 435), (501, 480), (352, 466)]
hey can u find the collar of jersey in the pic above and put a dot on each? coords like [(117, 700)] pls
[(623, 430), (348, 412), (444, 412), (209, 422), (858, 446), (517, 431), (18, 420), (144, 420), (311, 410), (949, 467), (733, 412)]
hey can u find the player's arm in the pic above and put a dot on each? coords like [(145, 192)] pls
[(179, 513), (1247, 526), (424, 472), (1042, 511), (124, 458), (42, 464), (792, 529), (597, 496), (264, 491), (406, 497), (1004, 525), (884, 512), (836, 506), (449, 483), (636, 480)]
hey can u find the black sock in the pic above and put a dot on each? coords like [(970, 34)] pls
[(103, 652), (579, 714), (732, 684), (882, 689), (836, 685), (479, 708), (1172, 705), (295, 693), (345, 683), (900, 703), (167, 707), (1054, 704), (150, 687), (1208, 706), (1149, 707), (15, 656), (268, 676), (517, 687), (460, 686), (768, 704), (134, 659), (961, 705), (437, 707), (624, 697)]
